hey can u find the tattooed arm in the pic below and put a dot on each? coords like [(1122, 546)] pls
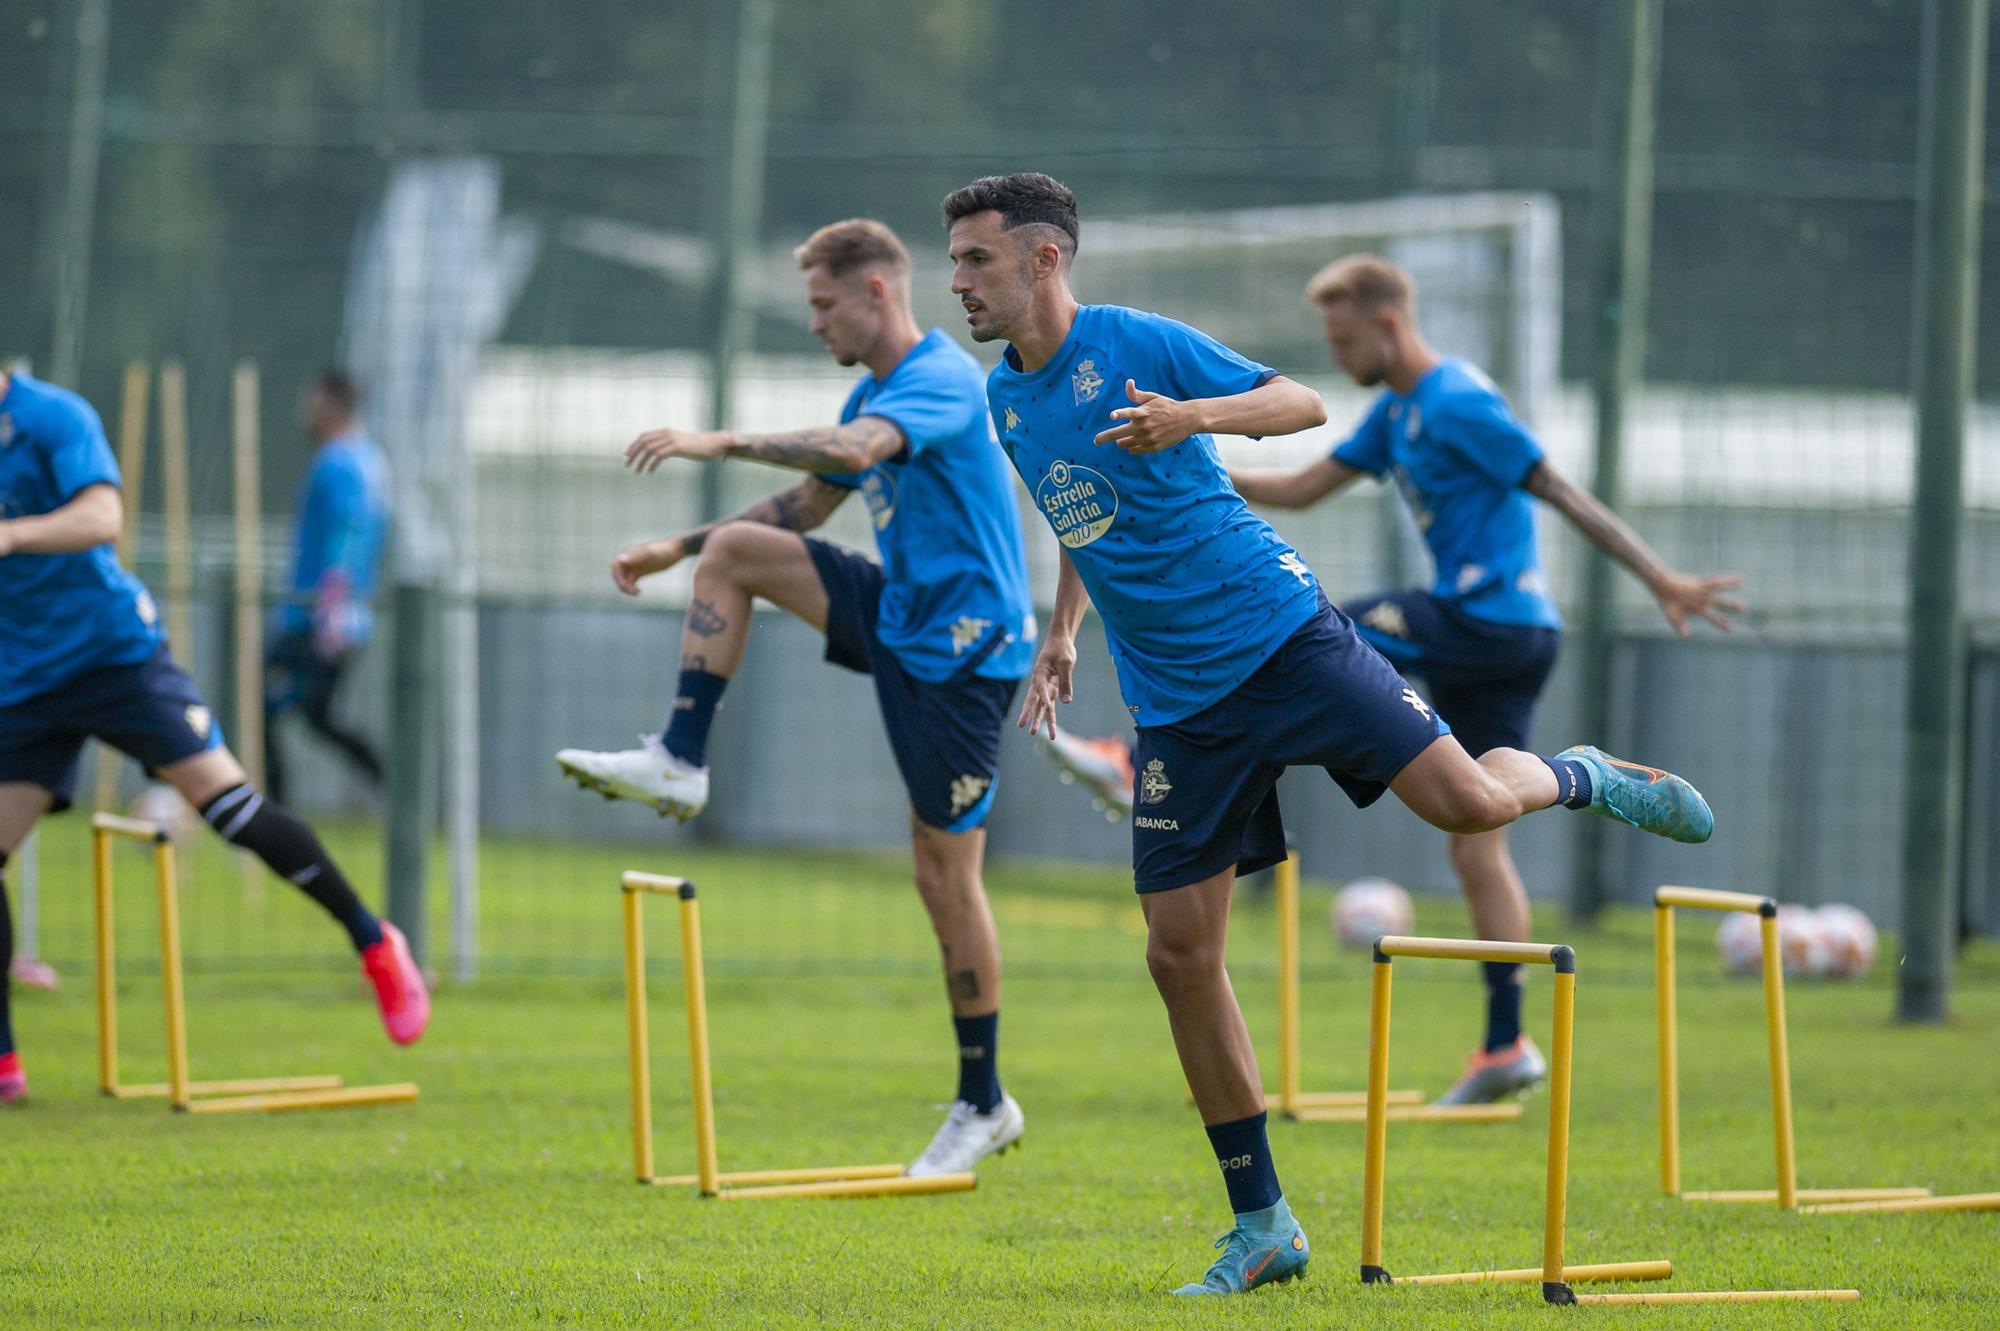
[(855, 446), (801, 508), (1681, 595)]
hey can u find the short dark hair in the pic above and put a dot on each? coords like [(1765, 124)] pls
[(338, 387), (1026, 198)]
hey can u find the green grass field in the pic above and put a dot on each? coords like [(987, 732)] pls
[(504, 1197)]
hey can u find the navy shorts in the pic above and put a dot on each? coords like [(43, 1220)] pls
[(945, 734), (1206, 797), (1484, 678), (149, 710)]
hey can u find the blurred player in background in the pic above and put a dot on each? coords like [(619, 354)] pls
[(1484, 637), (943, 624), (328, 615), (82, 654), (1228, 655)]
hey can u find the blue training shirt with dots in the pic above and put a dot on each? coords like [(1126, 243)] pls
[(1195, 590)]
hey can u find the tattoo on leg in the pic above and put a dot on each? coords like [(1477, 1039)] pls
[(962, 984), (703, 619), (693, 661)]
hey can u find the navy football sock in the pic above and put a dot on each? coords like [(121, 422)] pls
[(695, 704), (1503, 1003), (979, 1061), (276, 836), (1572, 782), (1244, 1151), (6, 959)]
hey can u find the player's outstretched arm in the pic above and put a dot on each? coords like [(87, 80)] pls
[(1155, 422), (1050, 681), (855, 446), (91, 519), (801, 508), (1682, 596), (1293, 489)]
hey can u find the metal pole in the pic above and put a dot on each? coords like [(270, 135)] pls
[(1933, 800), (1624, 248), (413, 728), (739, 207), (86, 138)]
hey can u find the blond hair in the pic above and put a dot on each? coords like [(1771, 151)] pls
[(847, 247), (1369, 280)]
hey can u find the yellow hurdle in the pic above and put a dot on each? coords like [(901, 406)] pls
[(230, 1096), (1787, 1194), (1336, 1106), (1554, 1274), (708, 1179)]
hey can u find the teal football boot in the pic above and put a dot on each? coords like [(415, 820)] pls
[(1645, 797), (1255, 1257)]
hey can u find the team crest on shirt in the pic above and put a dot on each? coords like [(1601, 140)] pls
[(1013, 419), (1087, 382), (1078, 502), (968, 632), (965, 792), (1413, 425), (198, 719), (878, 487), (1153, 783)]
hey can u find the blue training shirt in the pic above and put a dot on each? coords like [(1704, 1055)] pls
[(343, 522), (955, 576), (61, 615), (1460, 458), (1195, 590)]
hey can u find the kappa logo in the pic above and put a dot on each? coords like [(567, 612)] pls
[(1410, 697), (1153, 784), (968, 632), (199, 720), (1292, 564), (965, 792), (1087, 382), (1387, 617), (1471, 576), (1013, 419)]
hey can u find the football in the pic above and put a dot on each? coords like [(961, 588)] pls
[(1368, 908)]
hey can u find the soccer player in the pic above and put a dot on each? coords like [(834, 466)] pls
[(82, 654), (343, 518), (1484, 638), (1228, 655), (943, 624)]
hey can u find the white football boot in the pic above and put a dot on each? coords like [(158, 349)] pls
[(968, 1137), (647, 775)]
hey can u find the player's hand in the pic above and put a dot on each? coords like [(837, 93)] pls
[(643, 560), (1683, 596), (1152, 423), (1048, 684), (649, 450)]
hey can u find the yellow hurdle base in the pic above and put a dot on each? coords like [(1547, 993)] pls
[(230, 1086), (1724, 1296), (859, 1187), (340, 1098), (747, 1177), (1530, 1275), (1754, 1195), (1970, 1201), (1340, 1099), (1395, 1113)]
